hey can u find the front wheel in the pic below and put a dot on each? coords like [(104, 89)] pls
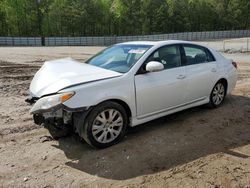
[(217, 95), (105, 125)]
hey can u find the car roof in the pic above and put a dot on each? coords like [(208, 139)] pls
[(156, 43)]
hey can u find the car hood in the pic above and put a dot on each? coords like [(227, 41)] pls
[(58, 74)]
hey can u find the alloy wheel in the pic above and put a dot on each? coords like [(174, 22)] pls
[(218, 94), (107, 126)]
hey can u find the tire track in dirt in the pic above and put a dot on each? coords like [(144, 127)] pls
[(15, 78), (14, 83), (244, 71)]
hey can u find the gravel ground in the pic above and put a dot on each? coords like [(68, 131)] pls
[(198, 147)]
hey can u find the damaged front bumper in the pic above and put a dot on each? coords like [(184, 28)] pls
[(50, 108), (54, 115), (58, 116)]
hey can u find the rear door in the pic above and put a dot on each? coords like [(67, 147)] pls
[(201, 70)]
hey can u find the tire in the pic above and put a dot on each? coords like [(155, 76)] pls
[(105, 125), (217, 95)]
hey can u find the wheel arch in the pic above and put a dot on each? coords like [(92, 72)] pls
[(123, 104), (80, 117), (224, 82), (118, 101)]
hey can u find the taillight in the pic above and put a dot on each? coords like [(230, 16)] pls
[(235, 64)]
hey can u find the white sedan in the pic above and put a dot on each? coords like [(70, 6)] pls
[(126, 85)]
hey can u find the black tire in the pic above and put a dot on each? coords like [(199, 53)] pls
[(212, 100), (87, 131)]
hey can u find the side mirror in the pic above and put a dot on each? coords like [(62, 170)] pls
[(154, 66)]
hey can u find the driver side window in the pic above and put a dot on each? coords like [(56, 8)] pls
[(169, 56)]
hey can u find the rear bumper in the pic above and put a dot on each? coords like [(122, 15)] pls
[(232, 80)]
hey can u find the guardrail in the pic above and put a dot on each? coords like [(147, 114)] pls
[(109, 40)]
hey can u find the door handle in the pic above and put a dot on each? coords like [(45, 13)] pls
[(213, 70), (180, 76)]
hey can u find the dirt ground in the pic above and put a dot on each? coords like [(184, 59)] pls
[(198, 147)]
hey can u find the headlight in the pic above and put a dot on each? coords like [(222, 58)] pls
[(46, 103)]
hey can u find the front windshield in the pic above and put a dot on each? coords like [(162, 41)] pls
[(119, 58)]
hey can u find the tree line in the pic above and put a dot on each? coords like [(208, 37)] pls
[(120, 17)]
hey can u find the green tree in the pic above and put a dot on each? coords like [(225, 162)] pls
[(119, 17)]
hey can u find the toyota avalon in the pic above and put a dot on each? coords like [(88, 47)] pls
[(126, 85)]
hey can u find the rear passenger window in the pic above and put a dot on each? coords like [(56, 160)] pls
[(196, 55)]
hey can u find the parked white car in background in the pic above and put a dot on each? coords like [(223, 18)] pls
[(126, 85)]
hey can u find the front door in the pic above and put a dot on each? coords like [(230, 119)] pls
[(157, 92)]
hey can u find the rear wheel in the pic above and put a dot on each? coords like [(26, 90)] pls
[(217, 95), (105, 125)]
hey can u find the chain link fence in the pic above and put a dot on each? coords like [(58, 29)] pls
[(20, 41), (229, 45), (212, 36)]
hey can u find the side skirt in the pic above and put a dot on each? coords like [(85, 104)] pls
[(155, 115)]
